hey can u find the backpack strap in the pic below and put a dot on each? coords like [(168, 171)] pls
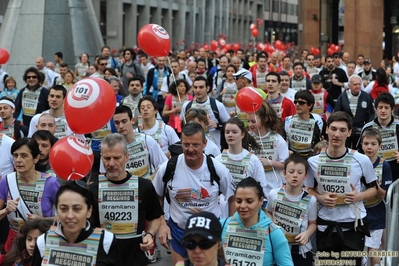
[(212, 170), (17, 129), (190, 103), (169, 173)]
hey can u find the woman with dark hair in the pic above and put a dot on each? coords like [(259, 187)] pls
[(178, 95), (82, 68), (237, 158), (202, 240), (380, 84), (268, 243), (265, 127), (28, 194), (74, 239), (24, 244), (226, 90)]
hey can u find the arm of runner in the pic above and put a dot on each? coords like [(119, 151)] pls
[(304, 237)]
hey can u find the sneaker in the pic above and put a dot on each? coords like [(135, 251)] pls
[(155, 256), (168, 251)]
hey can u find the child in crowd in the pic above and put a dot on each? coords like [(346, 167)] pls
[(300, 225), (24, 244), (371, 144)]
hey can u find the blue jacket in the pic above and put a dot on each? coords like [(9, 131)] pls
[(277, 250)]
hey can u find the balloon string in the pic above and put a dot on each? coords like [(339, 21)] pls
[(261, 143), (74, 173)]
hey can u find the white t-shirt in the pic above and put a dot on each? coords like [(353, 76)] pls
[(211, 148), (290, 94), (274, 179), (310, 214), (360, 166), (7, 160), (191, 191), (214, 134), (255, 167), (168, 135)]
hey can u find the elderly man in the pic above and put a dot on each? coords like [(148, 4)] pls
[(126, 202), (49, 75), (358, 105)]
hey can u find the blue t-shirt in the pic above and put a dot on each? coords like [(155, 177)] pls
[(376, 215)]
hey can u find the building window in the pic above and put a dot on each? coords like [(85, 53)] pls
[(284, 8), (296, 10), (292, 9), (267, 5), (275, 6)]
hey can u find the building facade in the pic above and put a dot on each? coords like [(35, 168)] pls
[(197, 21)]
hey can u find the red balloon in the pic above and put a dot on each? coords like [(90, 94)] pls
[(337, 48), (89, 105), (279, 45), (236, 46), (222, 42), (4, 56), (154, 40), (259, 46), (255, 32), (214, 45), (206, 47), (252, 26), (312, 49), (71, 158), (228, 46), (330, 51), (249, 100), (317, 51)]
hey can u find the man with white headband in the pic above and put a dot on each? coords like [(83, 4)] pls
[(8, 125)]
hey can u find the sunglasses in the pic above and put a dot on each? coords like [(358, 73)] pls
[(191, 245), (103, 64), (300, 102), (31, 77)]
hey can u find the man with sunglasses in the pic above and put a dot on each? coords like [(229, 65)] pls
[(32, 99), (338, 63), (192, 189), (102, 65), (310, 68), (304, 129)]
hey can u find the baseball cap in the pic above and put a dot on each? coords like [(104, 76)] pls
[(317, 79), (204, 224), (367, 61), (243, 73)]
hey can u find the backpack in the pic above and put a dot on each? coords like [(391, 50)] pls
[(377, 89), (170, 172)]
